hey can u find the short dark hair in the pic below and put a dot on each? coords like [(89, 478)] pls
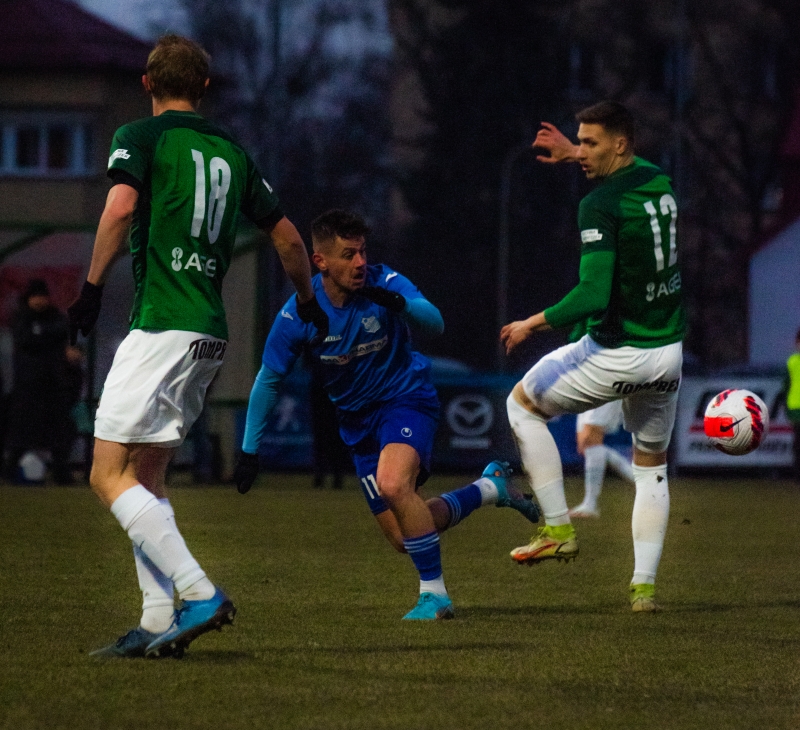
[(332, 223), (612, 116), (36, 288), (177, 68)]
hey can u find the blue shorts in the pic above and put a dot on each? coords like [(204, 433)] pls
[(410, 419)]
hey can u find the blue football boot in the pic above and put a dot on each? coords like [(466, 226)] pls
[(133, 645), (507, 494), (192, 620), (430, 607)]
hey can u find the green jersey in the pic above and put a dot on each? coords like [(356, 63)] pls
[(629, 249), (634, 214), (193, 181)]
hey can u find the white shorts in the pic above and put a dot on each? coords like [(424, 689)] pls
[(581, 376), (607, 417), (155, 389)]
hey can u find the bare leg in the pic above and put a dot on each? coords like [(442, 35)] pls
[(391, 529), (118, 467), (129, 478), (398, 467)]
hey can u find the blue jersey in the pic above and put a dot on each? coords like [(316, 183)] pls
[(368, 356)]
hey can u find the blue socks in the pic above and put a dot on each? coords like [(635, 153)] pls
[(462, 503), (424, 551)]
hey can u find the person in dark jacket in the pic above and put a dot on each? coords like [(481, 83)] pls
[(46, 383)]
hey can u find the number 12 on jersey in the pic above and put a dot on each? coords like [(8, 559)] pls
[(220, 175), (669, 207)]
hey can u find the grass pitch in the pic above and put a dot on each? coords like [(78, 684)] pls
[(318, 642)]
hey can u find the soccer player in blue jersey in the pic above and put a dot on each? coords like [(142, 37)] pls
[(385, 399)]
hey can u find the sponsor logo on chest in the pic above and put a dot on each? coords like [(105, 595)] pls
[(359, 351)]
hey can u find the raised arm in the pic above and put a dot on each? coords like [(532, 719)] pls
[(397, 294), (560, 148), (423, 317)]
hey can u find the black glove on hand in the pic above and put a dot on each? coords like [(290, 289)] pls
[(245, 472), (310, 311), (393, 301), (84, 311)]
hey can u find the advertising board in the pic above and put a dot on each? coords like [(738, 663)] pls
[(693, 449)]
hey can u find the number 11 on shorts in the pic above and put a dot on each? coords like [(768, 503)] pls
[(371, 486)]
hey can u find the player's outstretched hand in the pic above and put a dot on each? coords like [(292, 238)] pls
[(393, 301), (84, 311), (311, 311), (560, 148), (245, 472), (514, 334)]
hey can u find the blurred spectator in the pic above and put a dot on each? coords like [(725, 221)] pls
[(331, 456), (47, 384), (792, 390), (206, 466)]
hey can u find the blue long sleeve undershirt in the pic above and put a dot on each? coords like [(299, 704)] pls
[(419, 314), (263, 395), (423, 317)]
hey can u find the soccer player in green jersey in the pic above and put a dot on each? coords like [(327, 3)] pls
[(179, 183), (629, 291)]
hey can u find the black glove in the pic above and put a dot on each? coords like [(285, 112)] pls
[(84, 311), (393, 301), (311, 311), (245, 472)]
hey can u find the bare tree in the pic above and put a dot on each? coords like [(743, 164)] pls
[(303, 87), (711, 84)]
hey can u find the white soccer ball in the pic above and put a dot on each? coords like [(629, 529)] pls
[(736, 421)]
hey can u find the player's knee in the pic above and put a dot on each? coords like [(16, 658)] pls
[(393, 489), (521, 407), (650, 447), (104, 480)]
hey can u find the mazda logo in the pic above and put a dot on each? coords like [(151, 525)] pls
[(470, 415)]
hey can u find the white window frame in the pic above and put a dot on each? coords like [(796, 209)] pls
[(80, 126)]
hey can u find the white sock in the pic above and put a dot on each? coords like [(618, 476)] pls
[(158, 603), (488, 490), (151, 527), (433, 586), (619, 464), (541, 461), (594, 466), (649, 521)]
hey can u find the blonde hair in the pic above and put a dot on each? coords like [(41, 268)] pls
[(177, 68)]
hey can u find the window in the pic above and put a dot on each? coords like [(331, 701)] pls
[(45, 144)]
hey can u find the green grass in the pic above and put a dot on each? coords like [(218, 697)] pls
[(318, 642)]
